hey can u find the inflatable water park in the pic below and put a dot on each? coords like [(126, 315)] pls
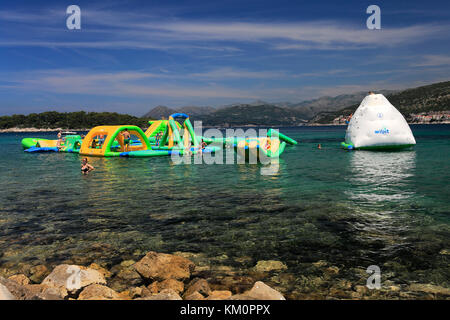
[(377, 125), (162, 138)]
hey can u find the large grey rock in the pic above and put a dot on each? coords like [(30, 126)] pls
[(43, 292), (19, 291), (5, 294), (70, 279), (260, 291), (30, 292), (162, 266)]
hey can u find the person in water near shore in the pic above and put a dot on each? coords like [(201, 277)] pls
[(126, 139), (347, 121), (85, 166), (202, 146), (319, 146)]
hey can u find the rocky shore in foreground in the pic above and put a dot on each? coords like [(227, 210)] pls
[(157, 276), (161, 276)]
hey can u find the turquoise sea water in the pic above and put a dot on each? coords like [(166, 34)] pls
[(352, 209)]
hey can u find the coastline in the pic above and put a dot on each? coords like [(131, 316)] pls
[(27, 130), (191, 276), (15, 129)]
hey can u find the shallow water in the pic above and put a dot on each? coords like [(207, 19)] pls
[(352, 209)]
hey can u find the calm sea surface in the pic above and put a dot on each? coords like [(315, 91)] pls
[(352, 209)]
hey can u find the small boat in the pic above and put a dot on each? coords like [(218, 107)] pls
[(68, 133)]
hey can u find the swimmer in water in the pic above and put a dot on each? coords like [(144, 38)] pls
[(202, 146), (319, 146), (86, 167)]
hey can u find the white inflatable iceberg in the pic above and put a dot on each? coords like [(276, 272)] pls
[(377, 124)]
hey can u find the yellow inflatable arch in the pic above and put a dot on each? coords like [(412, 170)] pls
[(108, 141)]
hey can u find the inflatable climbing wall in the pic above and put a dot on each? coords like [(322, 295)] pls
[(377, 124)]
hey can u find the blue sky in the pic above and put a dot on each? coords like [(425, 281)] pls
[(130, 56)]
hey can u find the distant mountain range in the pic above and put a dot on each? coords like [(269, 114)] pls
[(433, 97), (159, 112)]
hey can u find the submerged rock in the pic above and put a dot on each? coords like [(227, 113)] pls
[(429, 288), (330, 272), (127, 263), (269, 265), (320, 264), (361, 289), (20, 279), (163, 266), (69, 279), (38, 273)]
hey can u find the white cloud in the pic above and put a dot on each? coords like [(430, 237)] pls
[(110, 29), (227, 72), (432, 60), (120, 84)]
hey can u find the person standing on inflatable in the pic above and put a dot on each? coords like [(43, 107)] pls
[(126, 139), (59, 136)]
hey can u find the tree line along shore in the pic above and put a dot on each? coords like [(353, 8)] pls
[(33, 122), (52, 120)]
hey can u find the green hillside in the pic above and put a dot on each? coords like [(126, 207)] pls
[(257, 115), (434, 97), (73, 120)]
